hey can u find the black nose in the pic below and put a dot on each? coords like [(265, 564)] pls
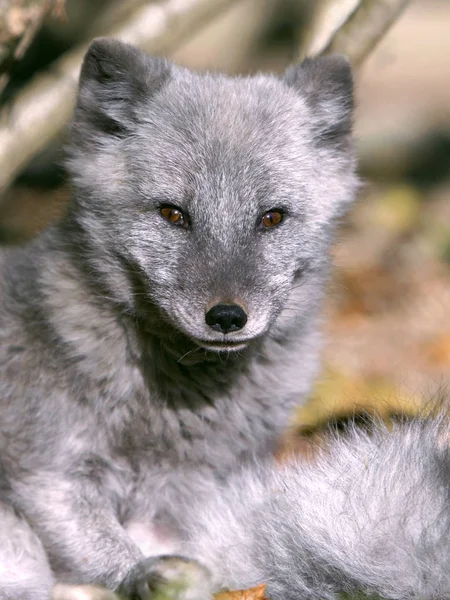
[(226, 317)]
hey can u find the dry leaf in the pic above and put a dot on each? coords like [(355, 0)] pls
[(256, 593)]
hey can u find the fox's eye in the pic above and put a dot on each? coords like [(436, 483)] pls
[(173, 215), (272, 218)]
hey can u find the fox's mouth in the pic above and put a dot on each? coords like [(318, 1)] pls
[(223, 346)]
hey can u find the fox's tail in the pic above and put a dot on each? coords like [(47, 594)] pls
[(370, 514)]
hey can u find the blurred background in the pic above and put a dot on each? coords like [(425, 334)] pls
[(387, 323)]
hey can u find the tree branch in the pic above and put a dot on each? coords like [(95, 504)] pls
[(41, 110), (16, 18), (329, 17), (19, 22), (362, 29)]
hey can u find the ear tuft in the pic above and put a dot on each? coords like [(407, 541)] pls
[(115, 78), (326, 84)]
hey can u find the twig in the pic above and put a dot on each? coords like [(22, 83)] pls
[(15, 18), (329, 17), (41, 110), (363, 29), (20, 20)]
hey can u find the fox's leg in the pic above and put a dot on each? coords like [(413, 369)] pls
[(164, 570), (163, 573), (25, 573)]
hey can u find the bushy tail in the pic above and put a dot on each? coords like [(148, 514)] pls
[(370, 514)]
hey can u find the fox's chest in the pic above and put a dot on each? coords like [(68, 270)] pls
[(153, 449), (206, 417), (164, 431), (219, 435)]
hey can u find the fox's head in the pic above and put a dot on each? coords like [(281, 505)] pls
[(210, 198)]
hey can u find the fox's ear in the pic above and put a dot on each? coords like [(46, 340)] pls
[(326, 84), (115, 78)]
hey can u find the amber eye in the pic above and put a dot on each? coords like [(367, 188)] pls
[(173, 215), (272, 218)]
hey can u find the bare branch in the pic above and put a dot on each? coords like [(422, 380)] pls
[(363, 28), (19, 22), (329, 17), (16, 17), (41, 110)]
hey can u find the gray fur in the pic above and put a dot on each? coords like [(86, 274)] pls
[(119, 412), (370, 513)]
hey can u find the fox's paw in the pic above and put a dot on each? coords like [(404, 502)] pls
[(166, 578)]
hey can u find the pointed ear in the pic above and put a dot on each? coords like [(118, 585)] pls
[(115, 78), (326, 84)]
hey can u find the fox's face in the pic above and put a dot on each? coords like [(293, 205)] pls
[(207, 197)]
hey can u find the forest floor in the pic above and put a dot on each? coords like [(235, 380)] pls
[(387, 323)]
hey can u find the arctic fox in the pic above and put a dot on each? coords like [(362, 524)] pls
[(155, 341)]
